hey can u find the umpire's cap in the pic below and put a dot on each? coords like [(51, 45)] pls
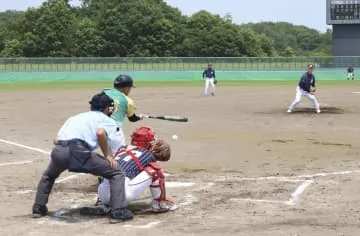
[(124, 81), (100, 102)]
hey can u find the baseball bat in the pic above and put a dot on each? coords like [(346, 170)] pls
[(169, 118)]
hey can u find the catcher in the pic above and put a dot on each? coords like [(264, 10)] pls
[(306, 87), (139, 161)]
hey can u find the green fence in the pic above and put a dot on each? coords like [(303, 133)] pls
[(161, 69), (171, 63)]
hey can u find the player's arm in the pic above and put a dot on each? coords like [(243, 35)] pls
[(131, 111)]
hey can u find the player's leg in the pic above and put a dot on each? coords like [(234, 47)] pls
[(207, 82), (314, 101), (212, 86), (97, 165), (151, 177), (297, 99), (59, 162), (161, 202)]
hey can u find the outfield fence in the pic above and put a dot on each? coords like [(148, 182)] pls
[(172, 63)]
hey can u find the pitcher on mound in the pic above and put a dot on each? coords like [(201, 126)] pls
[(306, 87)]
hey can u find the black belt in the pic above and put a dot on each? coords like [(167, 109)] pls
[(73, 141)]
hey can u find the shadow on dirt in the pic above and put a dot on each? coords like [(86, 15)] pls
[(324, 110), (79, 215), (306, 111)]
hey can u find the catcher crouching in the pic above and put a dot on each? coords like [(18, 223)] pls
[(140, 163)]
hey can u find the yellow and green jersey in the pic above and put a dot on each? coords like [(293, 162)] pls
[(124, 106)]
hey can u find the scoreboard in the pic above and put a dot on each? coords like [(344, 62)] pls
[(343, 12)]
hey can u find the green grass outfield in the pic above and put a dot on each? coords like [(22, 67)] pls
[(74, 85)]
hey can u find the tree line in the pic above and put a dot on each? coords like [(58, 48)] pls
[(147, 28)]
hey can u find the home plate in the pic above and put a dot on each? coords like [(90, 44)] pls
[(178, 184)]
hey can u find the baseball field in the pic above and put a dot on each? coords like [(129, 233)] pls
[(240, 166)]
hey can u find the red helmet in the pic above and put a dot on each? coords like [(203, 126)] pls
[(142, 137)]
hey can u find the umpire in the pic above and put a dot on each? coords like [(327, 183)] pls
[(74, 149)]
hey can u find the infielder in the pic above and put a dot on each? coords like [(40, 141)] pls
[(140, 164), (350, 73), (210, 79), (124, 105), (74, 149), (306, 87)]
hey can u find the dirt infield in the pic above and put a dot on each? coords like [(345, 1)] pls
[(309, 164)]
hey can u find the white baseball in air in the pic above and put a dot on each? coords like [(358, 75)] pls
[(174, 137)]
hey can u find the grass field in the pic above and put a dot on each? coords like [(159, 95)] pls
[(9, 86)]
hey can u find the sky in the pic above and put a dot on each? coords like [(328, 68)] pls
[(311, 13)]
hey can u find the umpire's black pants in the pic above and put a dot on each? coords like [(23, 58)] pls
[(76, 156)]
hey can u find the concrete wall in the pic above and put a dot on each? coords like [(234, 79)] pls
[(346, 40)]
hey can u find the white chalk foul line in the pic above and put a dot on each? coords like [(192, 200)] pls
[(257, 200), (286, 178), (298, 191), (293, 199), (356, 92), (15, 163), (178, 184), (147, 226), (25, 146)]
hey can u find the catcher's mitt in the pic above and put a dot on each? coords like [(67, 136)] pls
[(161, 150), (215, 81)]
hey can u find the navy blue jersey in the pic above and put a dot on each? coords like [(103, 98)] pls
[(350, 69), (129, 165), (209, 73), (306, 81)]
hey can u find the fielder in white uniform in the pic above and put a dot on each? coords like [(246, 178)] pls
[(306, 87), (210, 79), (139, 161)]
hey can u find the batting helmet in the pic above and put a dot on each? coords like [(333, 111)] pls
[(142, 137), (124, 81), (100, 101)]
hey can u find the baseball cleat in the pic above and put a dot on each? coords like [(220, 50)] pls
[(289, 111), (163, 206), (39, 211), (119, 215)]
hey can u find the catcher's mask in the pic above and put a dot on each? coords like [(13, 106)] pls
[(143, 137)]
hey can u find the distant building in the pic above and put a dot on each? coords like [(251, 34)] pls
[(344, 16)]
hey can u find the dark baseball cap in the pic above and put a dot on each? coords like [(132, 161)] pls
[(101, 101), (310, 66)]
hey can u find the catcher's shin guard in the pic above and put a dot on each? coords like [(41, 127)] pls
[(160, 202)]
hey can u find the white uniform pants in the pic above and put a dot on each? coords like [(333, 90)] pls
[(299, 93), (133, 188), (209, 81), (117, 141), (350, 75)]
